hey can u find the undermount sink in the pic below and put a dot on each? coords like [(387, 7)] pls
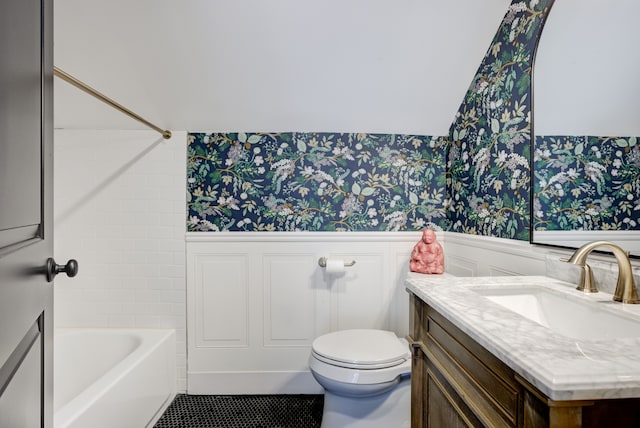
[(569, 316)]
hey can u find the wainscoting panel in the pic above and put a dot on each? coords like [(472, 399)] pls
[(358, 296), (289, 300), (500, 271), (220, 296), (461, 266), (256, 301)]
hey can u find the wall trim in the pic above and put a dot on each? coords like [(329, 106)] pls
[(254, 382), (306, 236), (534, 250)]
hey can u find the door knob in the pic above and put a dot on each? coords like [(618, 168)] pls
[(71, 269)]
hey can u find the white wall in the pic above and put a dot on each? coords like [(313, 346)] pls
[(257, 300), (119, 209), (586, 73), (390, 66)]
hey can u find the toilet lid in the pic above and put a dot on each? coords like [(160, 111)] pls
[(362, 348)]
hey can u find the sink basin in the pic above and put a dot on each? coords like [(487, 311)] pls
[(569, 316)]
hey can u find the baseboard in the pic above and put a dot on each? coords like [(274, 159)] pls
[(235, 383), (161, 410)]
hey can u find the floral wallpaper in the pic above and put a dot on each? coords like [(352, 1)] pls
[(586, 183), (315, 182), (476, 180), (489, 160)]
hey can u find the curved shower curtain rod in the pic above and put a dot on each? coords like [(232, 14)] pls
[(166, 134)]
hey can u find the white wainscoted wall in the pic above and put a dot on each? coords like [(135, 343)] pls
[(470, 255), (257, 300)]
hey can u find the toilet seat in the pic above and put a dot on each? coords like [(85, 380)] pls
[(360, 357), (346, 365), (361, 349)]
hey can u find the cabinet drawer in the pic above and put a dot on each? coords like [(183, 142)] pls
[(488, 374)]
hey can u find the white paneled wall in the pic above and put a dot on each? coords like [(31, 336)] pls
[(471, 255), (256, 302), (119, 209)]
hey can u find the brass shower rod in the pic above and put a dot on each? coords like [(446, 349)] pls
[(166, 134)]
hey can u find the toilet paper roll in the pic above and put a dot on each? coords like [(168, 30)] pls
[(335, 267)]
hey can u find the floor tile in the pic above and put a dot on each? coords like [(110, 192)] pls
[(243, 411)]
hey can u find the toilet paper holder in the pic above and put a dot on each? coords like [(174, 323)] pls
[(322, 262)]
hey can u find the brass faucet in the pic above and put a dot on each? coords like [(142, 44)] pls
[(625, 288)]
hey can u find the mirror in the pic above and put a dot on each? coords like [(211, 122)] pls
[(586, 117)]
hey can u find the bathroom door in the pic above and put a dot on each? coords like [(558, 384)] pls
[(26, 240)]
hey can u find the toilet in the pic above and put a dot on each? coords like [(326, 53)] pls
[(366, 375)]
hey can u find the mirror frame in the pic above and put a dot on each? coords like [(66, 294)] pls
[(573, 240)]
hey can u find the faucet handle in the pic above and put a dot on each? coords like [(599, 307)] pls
[(587, 284)]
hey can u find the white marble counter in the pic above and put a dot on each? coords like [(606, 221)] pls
[(561, 367)]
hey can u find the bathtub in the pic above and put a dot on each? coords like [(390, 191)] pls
[(121, 378)]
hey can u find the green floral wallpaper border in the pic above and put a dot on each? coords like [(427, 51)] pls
[(315, 182), (489, 161)]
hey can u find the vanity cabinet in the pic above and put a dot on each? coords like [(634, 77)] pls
[(456, 382)]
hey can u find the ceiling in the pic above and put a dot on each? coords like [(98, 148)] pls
[(271, 65)]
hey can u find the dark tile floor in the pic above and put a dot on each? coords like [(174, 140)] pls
[(243, 411)]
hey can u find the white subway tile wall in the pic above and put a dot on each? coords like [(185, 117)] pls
[(119, 209)]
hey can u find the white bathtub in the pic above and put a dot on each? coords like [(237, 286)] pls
[(121, 378)]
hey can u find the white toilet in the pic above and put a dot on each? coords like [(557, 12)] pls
[(366, 375)]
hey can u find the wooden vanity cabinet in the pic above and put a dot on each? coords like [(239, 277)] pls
[(458, 383)]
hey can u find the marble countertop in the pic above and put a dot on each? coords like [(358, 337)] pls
[(561, 367)]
